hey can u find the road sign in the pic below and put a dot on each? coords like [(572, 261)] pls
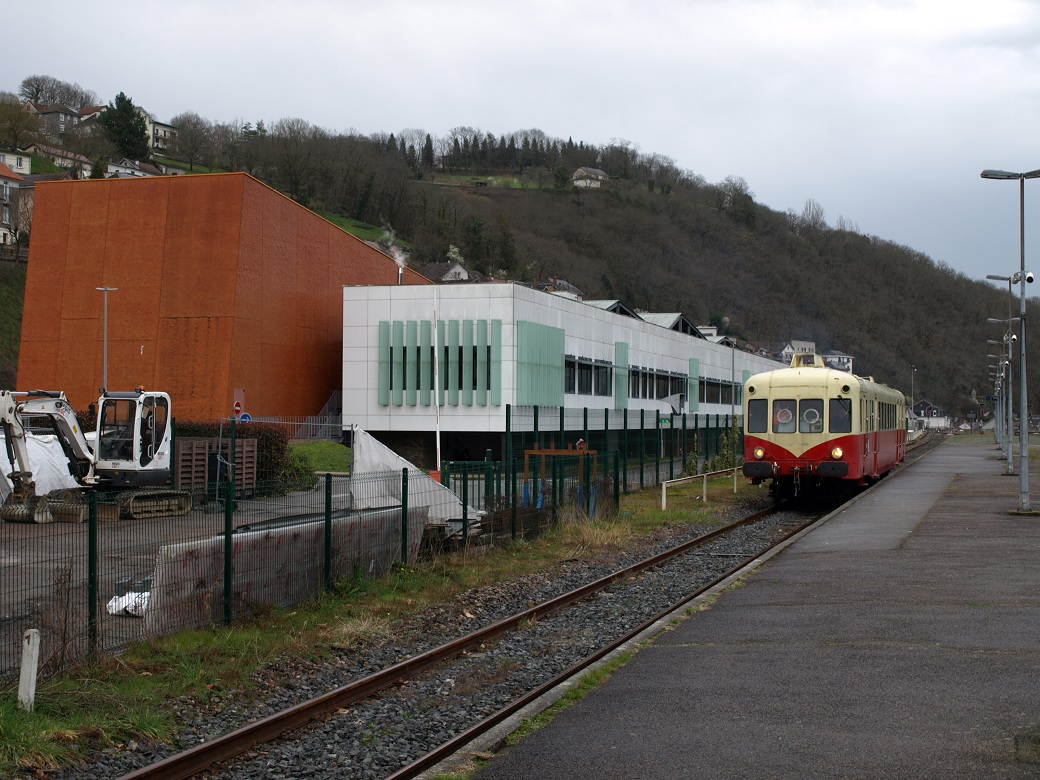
[(244, 417), (238, 408)]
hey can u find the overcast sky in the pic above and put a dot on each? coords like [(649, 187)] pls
[(884, 112)]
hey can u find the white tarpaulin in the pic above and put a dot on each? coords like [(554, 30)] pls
[(372, 457), (50, 467)]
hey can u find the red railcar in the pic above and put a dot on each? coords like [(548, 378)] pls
[(814, 429)]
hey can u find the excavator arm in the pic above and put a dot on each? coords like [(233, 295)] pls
[(24, 504)]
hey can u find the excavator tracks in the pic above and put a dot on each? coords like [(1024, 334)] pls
[(71, 506)]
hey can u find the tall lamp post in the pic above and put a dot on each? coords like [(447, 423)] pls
[(104, 370), (1009, 340), (1023, 277), (913, 370), (1004, 420)]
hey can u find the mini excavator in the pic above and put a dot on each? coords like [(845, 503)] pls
[(128, 458)]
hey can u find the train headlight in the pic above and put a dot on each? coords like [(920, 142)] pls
[(836, 453), (759, 453)]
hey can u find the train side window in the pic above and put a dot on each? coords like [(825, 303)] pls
[(784, 414), (810, 418), (841, 415), (758, 415)]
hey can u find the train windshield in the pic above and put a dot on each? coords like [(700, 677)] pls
[(841, 415), (785, 412), (758, 415), (810, 417)]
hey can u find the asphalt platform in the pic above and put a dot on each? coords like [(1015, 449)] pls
[(900, 638)]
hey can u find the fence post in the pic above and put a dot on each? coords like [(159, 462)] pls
[(92, 574), (465, 508), (671, 446), (657, 448), (587, 476), (509, 457), (489, 483), (404, 515), (229, 564), (642, 444), (617, 486), (685, 442), (329, 578), (563, 433), (175, 465), (232, 476), (624, 449), (536, 445)]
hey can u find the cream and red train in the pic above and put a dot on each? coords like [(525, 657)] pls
[(813, 429)]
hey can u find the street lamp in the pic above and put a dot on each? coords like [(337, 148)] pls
[(1005, 442), (1022, 278), (104, 375), (913, 370), (1003, 408)]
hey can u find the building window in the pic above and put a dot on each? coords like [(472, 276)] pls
[(603, 380), (570, 376), (584, 379)]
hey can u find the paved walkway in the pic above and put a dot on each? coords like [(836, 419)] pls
[(900, 639)]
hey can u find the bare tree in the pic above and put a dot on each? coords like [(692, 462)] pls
[(49, 90), (194, 137), (18, 127), (813, 217)]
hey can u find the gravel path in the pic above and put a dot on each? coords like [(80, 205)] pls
[(380, 735)]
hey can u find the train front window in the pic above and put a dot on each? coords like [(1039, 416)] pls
[(810, 416), (758, 415), (841, 415), (784, 413)]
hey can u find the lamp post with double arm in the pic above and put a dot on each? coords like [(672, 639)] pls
[(1021, 278)]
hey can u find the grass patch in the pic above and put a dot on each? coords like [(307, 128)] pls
[(323, 456), (362, 230), (126, 698)]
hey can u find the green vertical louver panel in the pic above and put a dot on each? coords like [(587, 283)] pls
[(384, 363), (454, 366), (425, 361), (442, 361), (620, 375), (466, 385), (411, 361), (539, 364), (496, 362), (482, 363), (397, 367), (694, 391)]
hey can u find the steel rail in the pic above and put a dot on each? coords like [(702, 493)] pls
[(227, 746), (442, 752)]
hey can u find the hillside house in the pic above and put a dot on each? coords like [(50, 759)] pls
[(589, 178), (19, 162), (9, 181), (797, 348)]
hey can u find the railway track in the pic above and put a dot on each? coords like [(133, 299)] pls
[(400, 720)]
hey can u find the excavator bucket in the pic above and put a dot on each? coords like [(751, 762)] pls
[(34, 510)]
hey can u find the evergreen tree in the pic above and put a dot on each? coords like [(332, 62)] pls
[(427, 152), (124, 126)]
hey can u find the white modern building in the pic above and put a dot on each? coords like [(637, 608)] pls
[(507, 346)]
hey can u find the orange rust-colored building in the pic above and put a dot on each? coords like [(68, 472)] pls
[(227, 291)]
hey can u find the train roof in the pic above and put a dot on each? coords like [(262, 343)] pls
[(810, 370)]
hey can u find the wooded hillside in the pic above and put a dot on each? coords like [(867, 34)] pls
[(657, 237)]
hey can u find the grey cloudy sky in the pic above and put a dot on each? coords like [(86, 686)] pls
[(882, 111)]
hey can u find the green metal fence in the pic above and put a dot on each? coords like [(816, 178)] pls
[(99, 585), (247, 544), (653, 446)]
